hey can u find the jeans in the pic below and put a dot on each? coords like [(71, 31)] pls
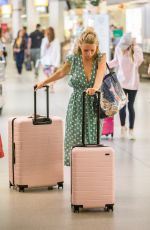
[(131, 98)]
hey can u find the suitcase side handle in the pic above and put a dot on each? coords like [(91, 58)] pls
[(37, 120), (98, 118)]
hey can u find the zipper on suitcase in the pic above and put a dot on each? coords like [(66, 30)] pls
[(13, 152)]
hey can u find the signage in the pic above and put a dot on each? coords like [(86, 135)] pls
[(6, 9), (4, 27), (40, 2), (118, 33), (3, 2)]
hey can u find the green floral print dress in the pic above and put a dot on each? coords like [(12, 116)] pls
[(73, 129)]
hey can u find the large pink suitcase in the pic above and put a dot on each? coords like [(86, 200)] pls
[(108, 126), (92, 174), (35, 152)]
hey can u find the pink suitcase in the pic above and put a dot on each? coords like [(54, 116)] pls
[(92, 174), (36, 151), (108, 126)]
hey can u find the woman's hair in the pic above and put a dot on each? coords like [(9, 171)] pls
[(88, 36), (131, 52), (18, 34), (50, 34)]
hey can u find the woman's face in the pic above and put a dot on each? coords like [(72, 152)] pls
[(21, 33), (88, 50)]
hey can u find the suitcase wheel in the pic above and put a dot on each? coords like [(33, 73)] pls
[(22, 187), (60, 185), (10, 184), (76, 208), (109, 207), (50, 187), (1, 110)]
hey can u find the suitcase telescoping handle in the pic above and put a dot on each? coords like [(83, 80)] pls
[(84, 115), (37, 120)]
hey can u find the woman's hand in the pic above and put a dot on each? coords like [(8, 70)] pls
[(91, 91), (39, 85)]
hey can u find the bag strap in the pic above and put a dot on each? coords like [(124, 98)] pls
[(108, 67)]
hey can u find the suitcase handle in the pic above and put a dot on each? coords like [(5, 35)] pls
[(98, 119), (41, 120)]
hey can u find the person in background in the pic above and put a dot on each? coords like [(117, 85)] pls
[(3, 52), (86, 66), (128, 57), (50, 54), (26, 36), (34, 44), (19, 49)]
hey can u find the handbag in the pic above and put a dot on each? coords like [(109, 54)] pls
[(1, 148), (28, 64), (112, 97)]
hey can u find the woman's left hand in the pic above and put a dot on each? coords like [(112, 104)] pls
[(91, 91)]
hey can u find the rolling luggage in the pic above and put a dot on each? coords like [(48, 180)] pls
[(108, 126), (92, 172), (35, 148)]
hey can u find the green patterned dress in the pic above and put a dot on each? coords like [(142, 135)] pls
[(73, 129)]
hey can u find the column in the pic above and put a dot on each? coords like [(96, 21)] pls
[(32, 16), (56, 17), (16, 16)]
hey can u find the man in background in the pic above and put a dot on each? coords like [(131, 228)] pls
[(34, 44)]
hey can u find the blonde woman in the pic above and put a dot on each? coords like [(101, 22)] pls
[(128, 57), (50, 54), (86, 67)]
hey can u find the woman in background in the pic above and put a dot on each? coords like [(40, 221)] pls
[(19, 49), (128, 57), (50, 54)]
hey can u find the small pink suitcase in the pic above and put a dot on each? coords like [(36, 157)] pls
[(92, 173), (36, 151), (108, 126)]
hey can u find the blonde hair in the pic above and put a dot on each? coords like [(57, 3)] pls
[(131, 53), (88, 36)]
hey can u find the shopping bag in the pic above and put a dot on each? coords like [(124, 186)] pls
[(28, 64), (112, 97), (1, 148)]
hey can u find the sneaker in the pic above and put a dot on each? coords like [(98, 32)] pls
[(123, 132), (131, 134)]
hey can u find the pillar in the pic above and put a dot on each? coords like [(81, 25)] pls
[(16, 16), (56, 17), (32, 16)]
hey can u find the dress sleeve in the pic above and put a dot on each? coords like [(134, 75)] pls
[(70, 59), (99, 56)]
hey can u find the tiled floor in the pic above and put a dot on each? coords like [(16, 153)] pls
[(41, 209)]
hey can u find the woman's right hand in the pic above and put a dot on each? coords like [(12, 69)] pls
[(39, 85)]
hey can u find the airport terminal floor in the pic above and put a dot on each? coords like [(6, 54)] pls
[(42, 209)]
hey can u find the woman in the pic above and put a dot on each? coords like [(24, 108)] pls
[(19, 48), (86, 67), (128, 57), (2, 46), (50, 54)]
